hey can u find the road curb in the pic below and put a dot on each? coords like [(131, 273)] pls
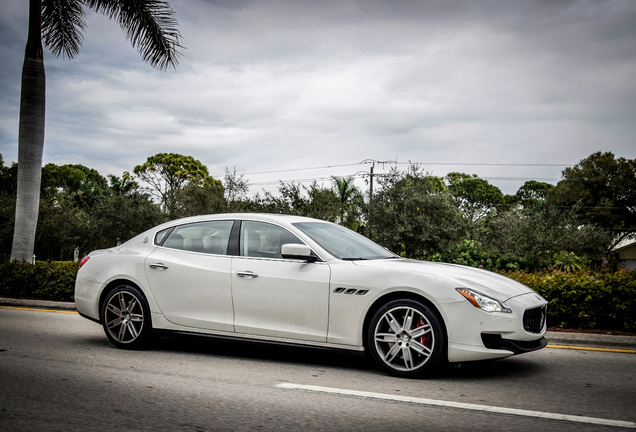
[(38, 304), (592, 340)]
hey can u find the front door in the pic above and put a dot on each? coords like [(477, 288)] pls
[(277, 297)]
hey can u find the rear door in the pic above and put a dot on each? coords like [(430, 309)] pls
[(190, 275)]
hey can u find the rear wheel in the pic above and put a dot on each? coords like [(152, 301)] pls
[(406, 338), (126, 318)]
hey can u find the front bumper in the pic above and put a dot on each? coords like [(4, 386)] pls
[(477, 335)]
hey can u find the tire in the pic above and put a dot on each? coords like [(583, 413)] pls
[(406, 338), (126, 318)]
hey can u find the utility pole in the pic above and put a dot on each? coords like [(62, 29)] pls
[(373, 162), (371, 175), (371, 184)]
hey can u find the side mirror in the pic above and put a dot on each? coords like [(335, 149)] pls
[(297, 251)]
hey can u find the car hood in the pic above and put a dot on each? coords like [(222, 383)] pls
[(486, 282)]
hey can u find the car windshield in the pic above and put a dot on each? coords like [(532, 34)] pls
[(343, 243)]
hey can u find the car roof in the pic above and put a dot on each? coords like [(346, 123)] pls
[(283, 219)]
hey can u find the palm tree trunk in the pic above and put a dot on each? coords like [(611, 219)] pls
[(30, 139)]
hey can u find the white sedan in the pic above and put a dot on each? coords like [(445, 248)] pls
[(288, 279)]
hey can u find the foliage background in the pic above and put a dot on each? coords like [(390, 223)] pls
[(555, 239)]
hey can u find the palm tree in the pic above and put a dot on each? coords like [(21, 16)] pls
[(348, 194), (152, 29)]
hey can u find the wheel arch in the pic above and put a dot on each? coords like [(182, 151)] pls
[(402, 295), (110, 286)]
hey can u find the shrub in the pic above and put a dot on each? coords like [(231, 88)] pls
[(43, 280), (585, 299)]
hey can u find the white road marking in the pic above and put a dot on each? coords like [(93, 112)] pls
[(460, 405)]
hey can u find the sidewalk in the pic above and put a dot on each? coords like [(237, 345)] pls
[(592, 340)]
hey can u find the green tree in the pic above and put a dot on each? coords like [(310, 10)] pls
[(414, 216), (168, 173), (125, 211), (475, 197), (8, 180), (534, 238), (62, 226), (603, 190), (68, 193), (533, 193), (296, 199), (199, 199), (289, 200), (351, 201), (84, 185), (8, 177), (235, 191), (325, 204), (150, 26)]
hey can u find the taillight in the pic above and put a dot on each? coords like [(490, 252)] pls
[(83, 261)]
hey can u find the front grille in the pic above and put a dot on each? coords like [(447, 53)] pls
[(534, 319)]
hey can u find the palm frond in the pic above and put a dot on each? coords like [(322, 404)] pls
[(63, 22), (150, 25)]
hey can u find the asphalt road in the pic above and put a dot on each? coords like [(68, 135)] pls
[(59, 372)]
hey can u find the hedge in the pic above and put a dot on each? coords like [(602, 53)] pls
[(584, 299), (43, 280)]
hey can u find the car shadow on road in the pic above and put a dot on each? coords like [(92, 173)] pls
[(264, 351), (502, 369)]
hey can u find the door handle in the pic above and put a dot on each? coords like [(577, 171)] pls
[(160, 266), (247, 274)]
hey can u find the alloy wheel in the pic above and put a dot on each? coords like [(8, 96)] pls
[(404, 339), (124, 317)]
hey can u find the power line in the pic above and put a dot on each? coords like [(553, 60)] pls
[(366, 161), (302, 169), (485, 164), (275, 182), (372, 161)]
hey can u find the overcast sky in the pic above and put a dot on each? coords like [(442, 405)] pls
[(303, 89)]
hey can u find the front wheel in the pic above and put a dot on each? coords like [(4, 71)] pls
[(126, 318), (406, 338)]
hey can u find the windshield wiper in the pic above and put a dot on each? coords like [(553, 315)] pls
[(368, 258)]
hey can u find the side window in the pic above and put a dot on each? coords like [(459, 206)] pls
[(161, 235), (205, 237), (259, 239)]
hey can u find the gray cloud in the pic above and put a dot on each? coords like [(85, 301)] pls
[(273, 85)]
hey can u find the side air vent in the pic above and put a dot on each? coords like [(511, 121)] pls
[(350, 291)]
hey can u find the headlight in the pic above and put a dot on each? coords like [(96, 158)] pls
[(483, 302)]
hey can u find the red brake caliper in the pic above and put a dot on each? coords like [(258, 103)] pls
[(425, 339)]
